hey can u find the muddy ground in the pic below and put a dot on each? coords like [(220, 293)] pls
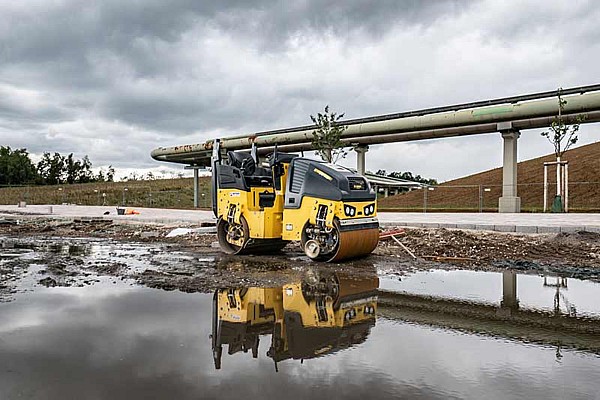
[(79, 253)]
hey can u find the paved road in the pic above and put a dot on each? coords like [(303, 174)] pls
[(528, 223), (525, 222), (157, 215)]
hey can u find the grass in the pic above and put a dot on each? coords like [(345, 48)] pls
[(464, 193), (161, 193)]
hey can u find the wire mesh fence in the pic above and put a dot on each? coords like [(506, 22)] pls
[(582, 196)]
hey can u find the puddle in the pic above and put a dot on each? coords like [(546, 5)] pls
[(566, 296), (313, 333)]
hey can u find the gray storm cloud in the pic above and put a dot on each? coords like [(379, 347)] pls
[(115, 79)]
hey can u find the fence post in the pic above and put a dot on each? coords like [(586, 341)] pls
[(480, 198), (425, 190)]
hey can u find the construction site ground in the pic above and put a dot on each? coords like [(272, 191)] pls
[(193, 262)]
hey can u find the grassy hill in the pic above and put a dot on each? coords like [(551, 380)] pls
[(463, 194), (164, 193)]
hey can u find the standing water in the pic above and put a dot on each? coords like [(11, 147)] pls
[(434, 335)]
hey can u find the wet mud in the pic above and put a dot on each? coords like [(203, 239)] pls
[(82, 252)]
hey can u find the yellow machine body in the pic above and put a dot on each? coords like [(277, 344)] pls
[(250, 305), (295, 219), (264, 223), (341, 307), (330, 209)]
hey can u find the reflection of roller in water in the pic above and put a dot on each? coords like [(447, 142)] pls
[(240, 316), (318, 316)]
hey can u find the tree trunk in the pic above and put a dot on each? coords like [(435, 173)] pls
[(329, 153), (558, 177)]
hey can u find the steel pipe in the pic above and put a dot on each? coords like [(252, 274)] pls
[(478, 129), (419, 125)]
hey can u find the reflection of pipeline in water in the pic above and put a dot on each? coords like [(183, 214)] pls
[(318, 316), (505, 321)]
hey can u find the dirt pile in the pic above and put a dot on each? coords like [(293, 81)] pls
[(484, 248)]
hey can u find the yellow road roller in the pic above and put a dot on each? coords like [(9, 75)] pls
[(307, 319), (262, 206)]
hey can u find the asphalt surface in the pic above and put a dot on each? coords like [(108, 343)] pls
[(524, 223)]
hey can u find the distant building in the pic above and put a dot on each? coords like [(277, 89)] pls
[(390, 186)]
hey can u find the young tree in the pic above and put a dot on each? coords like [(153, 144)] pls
[(327, 137), (562, 136)]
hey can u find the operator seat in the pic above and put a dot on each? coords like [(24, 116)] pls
[(253, 174)]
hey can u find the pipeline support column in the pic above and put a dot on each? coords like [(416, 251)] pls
[(509, 290), (196, 197), (509, 202), (360, 158), (196, 184)]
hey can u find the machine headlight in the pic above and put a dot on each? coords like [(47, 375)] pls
[(369, 309), (350, 211), (370, 209), (350, 314)]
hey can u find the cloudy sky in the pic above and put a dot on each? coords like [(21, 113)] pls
[(114, 79)]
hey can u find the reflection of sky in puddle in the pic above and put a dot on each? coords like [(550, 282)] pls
[(114, 341), (136, 343), (486, 287)]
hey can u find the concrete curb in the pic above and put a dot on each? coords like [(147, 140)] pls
[(496, 228), (551, 226), (126, 219)]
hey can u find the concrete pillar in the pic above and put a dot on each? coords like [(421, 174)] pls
[(509, 202), (386, 192), (196, 196), (360, 158), (509, 290)]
